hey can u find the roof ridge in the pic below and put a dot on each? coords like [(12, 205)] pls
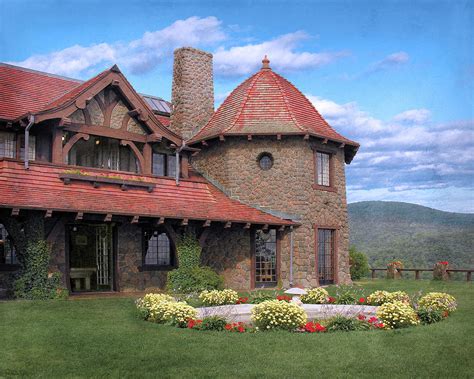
[(26, 69), (285, 99), (242, 105)]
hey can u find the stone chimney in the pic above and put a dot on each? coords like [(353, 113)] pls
[(193, 91)]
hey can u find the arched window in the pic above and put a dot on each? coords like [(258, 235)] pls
[(7, 250), (158, 250), (102, 152)]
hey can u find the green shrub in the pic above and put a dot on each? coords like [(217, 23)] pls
[(359, 264), (258, 297), (315, 296), (274, 314), (345, 324), (189, 276), (348, 294), (213, 323), (195, 279), (34, 282), (429, 316), (438, 301), (216, 297)]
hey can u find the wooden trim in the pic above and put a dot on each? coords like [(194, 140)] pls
[(138, 154), (87, 116), (72, 141), (104, 131)]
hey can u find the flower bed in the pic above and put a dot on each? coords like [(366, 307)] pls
[(393, 310)]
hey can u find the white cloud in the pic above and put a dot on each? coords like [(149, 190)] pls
[(138, 56), (243, 60), (390, 61), (416, 116)]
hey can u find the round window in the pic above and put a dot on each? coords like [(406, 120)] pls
[(265, 161)]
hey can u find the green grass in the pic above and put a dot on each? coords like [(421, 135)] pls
[(102, 337)]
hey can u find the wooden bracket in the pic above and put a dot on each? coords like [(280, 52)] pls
[(79, 216), (306, 137), (247, 225), (278, 137), (108, 217), (206, 223), (49, 213), (15, 212), (135, 219), (204, 143), (228, 224), (184, 222), (221, 138), (341, 146), (282, 228), (249, 137), (161, 221), (325, 141)]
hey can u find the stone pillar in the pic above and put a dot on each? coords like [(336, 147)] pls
[(440, 271), (193, 91)]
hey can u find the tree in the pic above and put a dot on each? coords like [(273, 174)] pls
[(359, 263)]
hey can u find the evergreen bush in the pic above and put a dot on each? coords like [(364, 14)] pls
[(359, 264)]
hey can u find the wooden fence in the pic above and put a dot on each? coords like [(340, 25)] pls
[(418, 270)]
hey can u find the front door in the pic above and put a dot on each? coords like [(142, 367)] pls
[(91, 257), (265, 258)]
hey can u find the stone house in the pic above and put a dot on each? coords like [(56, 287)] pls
[(110, 178)]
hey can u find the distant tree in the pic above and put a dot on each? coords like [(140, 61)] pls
[(359, 263)]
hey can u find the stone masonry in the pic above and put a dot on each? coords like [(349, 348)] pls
[(286, 187), (193, 90)]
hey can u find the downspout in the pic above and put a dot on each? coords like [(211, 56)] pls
[(31, 120), (178, 166), (291, 256)]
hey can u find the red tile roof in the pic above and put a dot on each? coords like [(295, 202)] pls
[(165, 120), (40, 187), (267, 104), (23, 90)]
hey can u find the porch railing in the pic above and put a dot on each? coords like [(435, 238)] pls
[(418, 270)]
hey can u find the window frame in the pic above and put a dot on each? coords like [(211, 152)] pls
[(157, 267), (335, 244), (253, 281), (331, 154), (167, 158), (9, 266)]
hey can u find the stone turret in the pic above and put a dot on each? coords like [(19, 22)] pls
[(193, 91)]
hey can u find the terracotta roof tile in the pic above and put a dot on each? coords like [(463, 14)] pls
[(267, 104), (41, 188)]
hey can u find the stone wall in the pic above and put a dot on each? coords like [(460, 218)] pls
[(227, 251), (192, 92), (286, 187)]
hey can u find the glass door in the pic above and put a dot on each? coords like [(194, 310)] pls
[(265, 258), (325, 256)]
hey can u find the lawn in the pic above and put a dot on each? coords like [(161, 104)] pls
[(103, 338)]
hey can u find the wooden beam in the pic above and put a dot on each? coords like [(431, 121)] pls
[(49, 213), (247, 225), (228, 224), (206, 223), (184, 222), (79, 216), (115, 83), (135, 219), (64, 121), (15, 212), (105, 132), (134, 112), (108, 217)]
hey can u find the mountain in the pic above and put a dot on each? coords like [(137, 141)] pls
[(417, 235)]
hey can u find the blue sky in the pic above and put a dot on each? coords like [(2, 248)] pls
[(397, 76)]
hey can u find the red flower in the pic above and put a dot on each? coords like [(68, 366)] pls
[(320, 328), (191, 323), (283, 298), (443, 263), (445, 314), (361, 300), (228, 327), (331, 299), (380, 325), (373, 319), (361, 317), (314, 327), (242, 300), (241, 329)]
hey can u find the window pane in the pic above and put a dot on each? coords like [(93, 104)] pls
[(159, 164), (158, 250), (7, 250), (322, 165), (265, 256), (31, 147), (171, 165), (7, 145), (325, 250)]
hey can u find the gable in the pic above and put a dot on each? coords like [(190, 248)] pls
[(109, 109)]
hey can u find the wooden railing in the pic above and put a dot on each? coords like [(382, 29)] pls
[(418, 270)]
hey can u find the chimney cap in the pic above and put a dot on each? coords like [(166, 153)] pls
[(265, 63)]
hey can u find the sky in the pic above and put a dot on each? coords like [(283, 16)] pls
[(396, 76)]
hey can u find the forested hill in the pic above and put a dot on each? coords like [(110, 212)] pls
[(417, 235)]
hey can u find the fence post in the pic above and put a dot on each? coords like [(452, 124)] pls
[(373, 273), (468, 276), (417, 275)]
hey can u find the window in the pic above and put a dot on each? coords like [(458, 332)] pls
[(326, 255), (7, 250), (265, 257), (7, 145), (158, 250), (101, 152), (265, 161), (323, 169), (31, 147), (164, 164)]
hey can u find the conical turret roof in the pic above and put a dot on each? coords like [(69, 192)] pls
[(268, 104)]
